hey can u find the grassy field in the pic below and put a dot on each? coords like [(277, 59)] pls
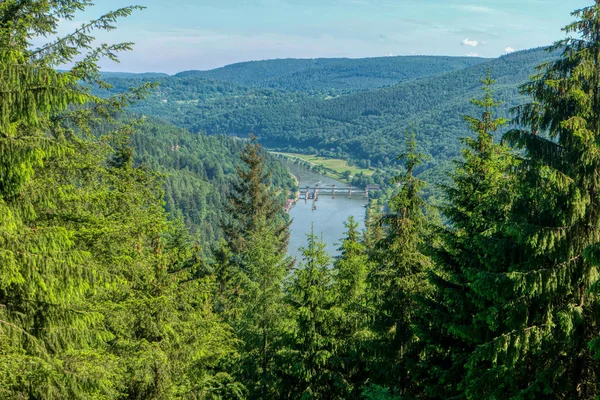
[(331, 163)]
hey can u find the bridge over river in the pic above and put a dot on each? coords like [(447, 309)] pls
[(313, 192), (327, 215)]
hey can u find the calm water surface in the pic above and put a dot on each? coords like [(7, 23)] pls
[(328, 213)]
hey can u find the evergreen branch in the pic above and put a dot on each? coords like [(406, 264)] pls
[(511, 334), (53, 305), (79, 37), (34, 339), (535, 271)]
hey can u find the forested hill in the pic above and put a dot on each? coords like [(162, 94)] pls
[(199, 172), (331, 74), (366, 126), (105, 295)]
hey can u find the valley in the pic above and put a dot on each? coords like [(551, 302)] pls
[(377, 228), (332, 167), (363, 123)]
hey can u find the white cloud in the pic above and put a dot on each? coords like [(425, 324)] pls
[(471, 54), (509, 50), (468, 42), (475, 9)]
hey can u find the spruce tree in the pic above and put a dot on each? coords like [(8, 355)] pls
[(251, 269), (457, 317), (262, 313), (351, 317), (542, 311), (351, 267), (310, 349), (100, 297), (165, 337), (399, 274), (44, 322), (253, 200)]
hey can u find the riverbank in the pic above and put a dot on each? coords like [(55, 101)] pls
[(331, 167)]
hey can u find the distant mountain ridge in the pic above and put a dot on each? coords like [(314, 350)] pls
[(334, 73), (302, 74), (365, 121), (139, 75)]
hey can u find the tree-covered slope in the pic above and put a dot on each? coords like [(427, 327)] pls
[(333, 74), (365, 125), (199, 171)]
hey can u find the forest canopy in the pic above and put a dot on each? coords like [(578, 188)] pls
[(107, 290)]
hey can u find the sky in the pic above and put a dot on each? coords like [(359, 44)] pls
[(177, 35)]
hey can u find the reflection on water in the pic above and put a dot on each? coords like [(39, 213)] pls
[(328, 213)]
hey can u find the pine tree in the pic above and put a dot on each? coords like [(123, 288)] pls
[(398, 276), (457, 318)]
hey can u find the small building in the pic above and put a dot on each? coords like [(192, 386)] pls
[(373, 188)]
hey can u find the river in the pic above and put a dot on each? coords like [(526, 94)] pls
[(328, 213)]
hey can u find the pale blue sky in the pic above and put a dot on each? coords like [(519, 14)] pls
[(176, 35)]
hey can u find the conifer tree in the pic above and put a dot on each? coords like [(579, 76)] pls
[(253, 200), (308, 368), (44, 322), (478, 207), (262, 313), (164, 334), (350, 271), (99, 295), (542, 311), (351, 267), (251, 271), (398, 276)]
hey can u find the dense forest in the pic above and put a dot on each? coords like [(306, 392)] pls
[(330, 75), (198, 171), (105, 293), (364, 126)]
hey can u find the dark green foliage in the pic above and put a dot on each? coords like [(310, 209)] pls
[(399, 275), (199, 173), (310, 349), (254, 202), (330, 75), (105, 294), (46, 328), (457, 318), (100, 295), (261, 307), (252, 266), (352, 319), (544, 312)]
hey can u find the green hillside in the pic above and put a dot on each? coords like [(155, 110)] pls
[(198, 171), (333, 74), (365, 126)]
